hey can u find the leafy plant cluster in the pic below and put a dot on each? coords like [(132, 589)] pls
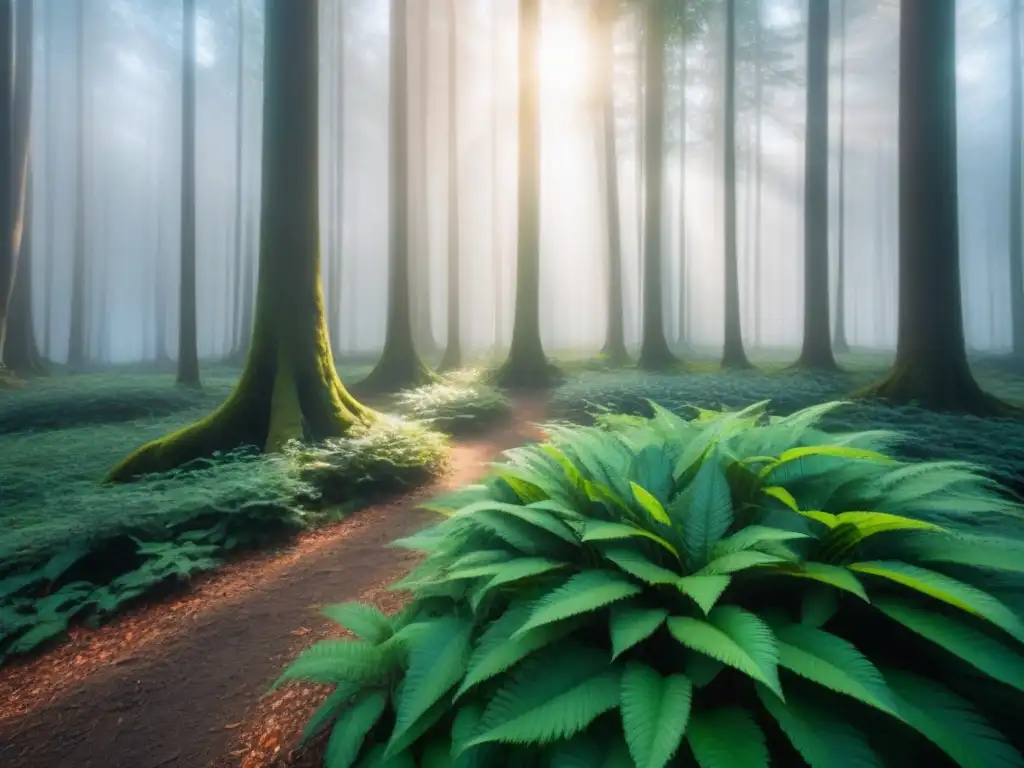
[(996, 444), (731, 591), (165, 528), (460, 403)]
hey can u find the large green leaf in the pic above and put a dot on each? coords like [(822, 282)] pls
[(632, 624), (972, 645), (734, 637), (833, 663), (337, 661), (351, 728), (951, 723), (833, 575), (362, 620), (704, 510), (636, 564), (601, 530), (655, 711), (822, 739), (704, 589), (948, 590), (582, 593), (727, 738), (437, 661), (553, 695)]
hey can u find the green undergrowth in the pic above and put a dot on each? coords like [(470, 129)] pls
[(459, 404), (74, 549), (730, 591), (996, 444)]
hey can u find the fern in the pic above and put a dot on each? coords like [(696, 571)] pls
[(364, 621), (351, 728), (581, 593), (655, 711), (633, 624), (727, 738)]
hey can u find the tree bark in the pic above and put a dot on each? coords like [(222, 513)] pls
[(527, 366), (1016, 182), (334, 267), (758, 170), (839, 343), (21, 353), (77, 323), (289, 388), (188, 347), (817, 336), (615, 334), (684, 72), (400, 366), (453, 348), (497, 246), (931, 365), (423, 324), (654, 351), (733, 354), (236, 295), (8, 170), (50, 182)]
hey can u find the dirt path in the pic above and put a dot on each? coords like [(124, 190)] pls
[(171, 703)]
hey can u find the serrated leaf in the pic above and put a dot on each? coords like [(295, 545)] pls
[(351, 728), (727, 738), (655, 711), (833, 575), (704, 510), (636, 564), (631, 624), (582, 593), (704, 589), (734, 637), (650, 504), (601, 530), (738, 561), (362, 620)]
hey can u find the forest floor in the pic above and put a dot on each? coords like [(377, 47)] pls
[(178, 683)]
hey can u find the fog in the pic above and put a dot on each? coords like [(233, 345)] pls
[(132, 134)]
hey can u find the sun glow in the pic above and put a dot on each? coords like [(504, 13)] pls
[(566, 57)]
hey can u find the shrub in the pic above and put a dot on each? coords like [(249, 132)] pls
[(727, 591), (458, 404)]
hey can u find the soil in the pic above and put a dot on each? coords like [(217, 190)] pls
[(179, 684)]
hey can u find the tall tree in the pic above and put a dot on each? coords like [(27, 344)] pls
[(497, 243), (289, 388), (399, 366), (453, 349), (684, 78), (615, 334), (1016, 199), (21, 353), (757, 255), (49, 184), (733, 354), (188, 346), (839, 343), (817, 336), (654, 351), (931, 365), (419, 246), (77, 322), (334, 266), (236, 296), (527, 366), (8, 169)]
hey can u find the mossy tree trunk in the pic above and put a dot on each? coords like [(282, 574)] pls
[(733, 354), (931, 365), (527, 366), (400, 366), (453, 348), (289, 388), (188, 347), (817, 337), (654, 351), (77, 322), (615, 334), (1016, 199)]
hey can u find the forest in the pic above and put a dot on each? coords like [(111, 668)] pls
[(529, 383)]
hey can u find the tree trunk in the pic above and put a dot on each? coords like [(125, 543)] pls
[(399, 367), (527, 366), (8, 170), (289, 388), (419, 264), (684, 72), (758, 169), (839, 343), (931, 365), (236, 296), (334, 267), (817, 337), (733, 354), (249, 284), (21, 353), (453, 349), (615, 335), (1016, 182), (50, 182), (77, 322), (497, 246), (654, 351), (188, 348)]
